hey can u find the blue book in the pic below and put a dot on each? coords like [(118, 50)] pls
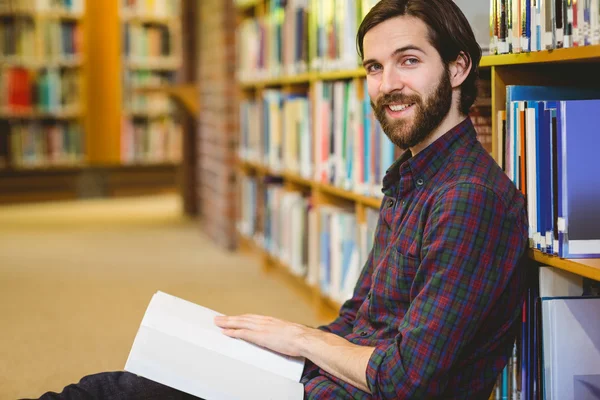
[(546, 173), (516, 93), (578, 175)]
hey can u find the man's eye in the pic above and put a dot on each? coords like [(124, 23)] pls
[(373, 68), (411, 61)]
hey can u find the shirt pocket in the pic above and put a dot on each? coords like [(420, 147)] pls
[(391, 286)]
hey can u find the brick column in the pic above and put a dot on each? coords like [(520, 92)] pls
[(218, 122)]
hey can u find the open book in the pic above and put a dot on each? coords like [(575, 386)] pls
[(179, 345)]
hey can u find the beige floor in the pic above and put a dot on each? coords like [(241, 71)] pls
[(75, 280)]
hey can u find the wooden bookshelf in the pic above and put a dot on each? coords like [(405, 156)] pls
[(571, 55), (98, 65), (44, 66), (155, 53), (326, 307), (575, 65), (185, 94), (331, 190), (588, 267)]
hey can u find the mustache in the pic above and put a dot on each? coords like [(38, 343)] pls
[(392, 98)]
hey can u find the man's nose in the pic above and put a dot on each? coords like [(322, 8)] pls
[(391, 81)]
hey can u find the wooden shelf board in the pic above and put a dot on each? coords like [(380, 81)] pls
[(149, 164), (150, 19), (34, 114), (297, 179), (51, 167), (37, 64), (244, 6), (333, 305), (187, 95), (55, 14), (166, 64), (148, 114), (337, 75), (573, 54), (368, 201), (588, 267), (372, 202)]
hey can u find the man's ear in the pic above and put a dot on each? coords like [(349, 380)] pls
[(459, 69)]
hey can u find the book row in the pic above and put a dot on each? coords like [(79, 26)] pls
[(147, 78), (296, 35), (50, 90), (533, 25), (157, 8), (151, 141), (35, 144), (148, 104), (58, 40), (74, 6), (550, 146), (334, 139), (141, 42), (326, 245)]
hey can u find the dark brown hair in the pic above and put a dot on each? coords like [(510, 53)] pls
[(449, 33)]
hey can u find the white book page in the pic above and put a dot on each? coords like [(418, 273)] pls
[(206, 374), (195, 324)]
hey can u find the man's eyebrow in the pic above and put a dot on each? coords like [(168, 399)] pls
[(396, 53)]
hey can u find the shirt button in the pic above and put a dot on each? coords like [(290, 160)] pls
[(420, 182), (369, 295), (390, 203), (363, 334)]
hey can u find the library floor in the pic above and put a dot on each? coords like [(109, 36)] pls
[(76, 277)]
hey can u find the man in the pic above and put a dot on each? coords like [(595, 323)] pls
[(436, 308)]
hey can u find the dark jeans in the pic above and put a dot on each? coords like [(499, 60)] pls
[(117, 386)]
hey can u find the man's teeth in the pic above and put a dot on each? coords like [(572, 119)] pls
[(401, 107)]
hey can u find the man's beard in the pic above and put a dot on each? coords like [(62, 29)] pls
[(427, 117)]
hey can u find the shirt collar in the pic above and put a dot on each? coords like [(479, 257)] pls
[(420, 169)]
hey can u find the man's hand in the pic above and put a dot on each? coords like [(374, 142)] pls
[(332, 353), (272, 333)]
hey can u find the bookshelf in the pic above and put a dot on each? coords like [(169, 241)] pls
[(76, 56), (152, 56), (569, 65), (42, 95)]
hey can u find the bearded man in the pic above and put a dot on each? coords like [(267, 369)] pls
[(435, 311)]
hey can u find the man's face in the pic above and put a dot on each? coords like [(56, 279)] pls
[(408, 83)]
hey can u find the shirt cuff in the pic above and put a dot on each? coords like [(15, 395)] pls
[(373, 367)]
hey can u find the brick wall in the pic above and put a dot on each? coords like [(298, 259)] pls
[(218, 125)]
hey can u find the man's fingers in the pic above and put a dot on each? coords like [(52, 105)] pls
[(242, 321), (239, 323)]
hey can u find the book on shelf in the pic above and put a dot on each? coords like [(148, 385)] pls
[(553, 175), (153, 140), (59, 40), (151, 129), (41, 6), (147, 42), (179, 345), (533, 25), (44, 143), (155, 8), (51, 90), (325, 245)]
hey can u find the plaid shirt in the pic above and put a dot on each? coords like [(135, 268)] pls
[(441, 293)]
